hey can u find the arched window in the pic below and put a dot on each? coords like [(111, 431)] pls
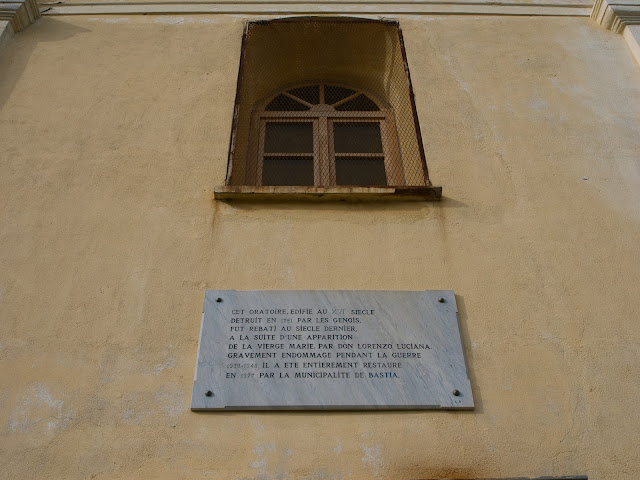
[(325, 110), (323, 134)]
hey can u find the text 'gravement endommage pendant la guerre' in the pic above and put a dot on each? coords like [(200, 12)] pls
[(330, 350)]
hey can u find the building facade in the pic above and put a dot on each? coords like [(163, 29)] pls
[(115, 127)]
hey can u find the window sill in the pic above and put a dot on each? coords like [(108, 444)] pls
[(348, 194)]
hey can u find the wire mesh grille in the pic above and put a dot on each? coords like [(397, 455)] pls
[(325, 102)]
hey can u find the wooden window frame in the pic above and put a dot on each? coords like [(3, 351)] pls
[(323, 117), (261, 153)]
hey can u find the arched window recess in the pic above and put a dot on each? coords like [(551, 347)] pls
[(322, 134)]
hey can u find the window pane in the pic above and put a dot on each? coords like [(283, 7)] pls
[(335, 94), (360, 103), (285, 171), (360, 171), (309, 94), (357, 137), (282, 103), (294, 137)]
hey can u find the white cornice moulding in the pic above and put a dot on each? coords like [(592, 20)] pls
[(19, 13), (615, 15), (555, 8), (632, 35), (6, 32), (620, 16)]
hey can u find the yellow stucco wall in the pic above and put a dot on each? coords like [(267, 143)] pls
[(114, 132)]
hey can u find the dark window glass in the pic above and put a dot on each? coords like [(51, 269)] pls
[(360, 171), (295, 137), (357, 137), (360, 103), (335, 94), (287, 171), (309, 94), (282, 103)]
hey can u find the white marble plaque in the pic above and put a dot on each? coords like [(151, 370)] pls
[(330, 350)]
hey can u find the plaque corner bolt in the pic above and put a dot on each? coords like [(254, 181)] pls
[(441, 299), (218, 300), (209, 393), (456, 393)]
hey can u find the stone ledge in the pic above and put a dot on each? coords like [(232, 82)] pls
[(314, 194), (574, 8), (19, 13)]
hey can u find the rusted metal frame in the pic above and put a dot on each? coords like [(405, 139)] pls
[(236, 108), (414, 109)]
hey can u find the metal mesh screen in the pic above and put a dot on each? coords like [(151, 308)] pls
[(325, 102)]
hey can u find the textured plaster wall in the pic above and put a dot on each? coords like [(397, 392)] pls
[(115, 130)]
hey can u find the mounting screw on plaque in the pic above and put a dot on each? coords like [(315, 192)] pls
[(441, 300), (218, 299), (456, 393), (210, 393)]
